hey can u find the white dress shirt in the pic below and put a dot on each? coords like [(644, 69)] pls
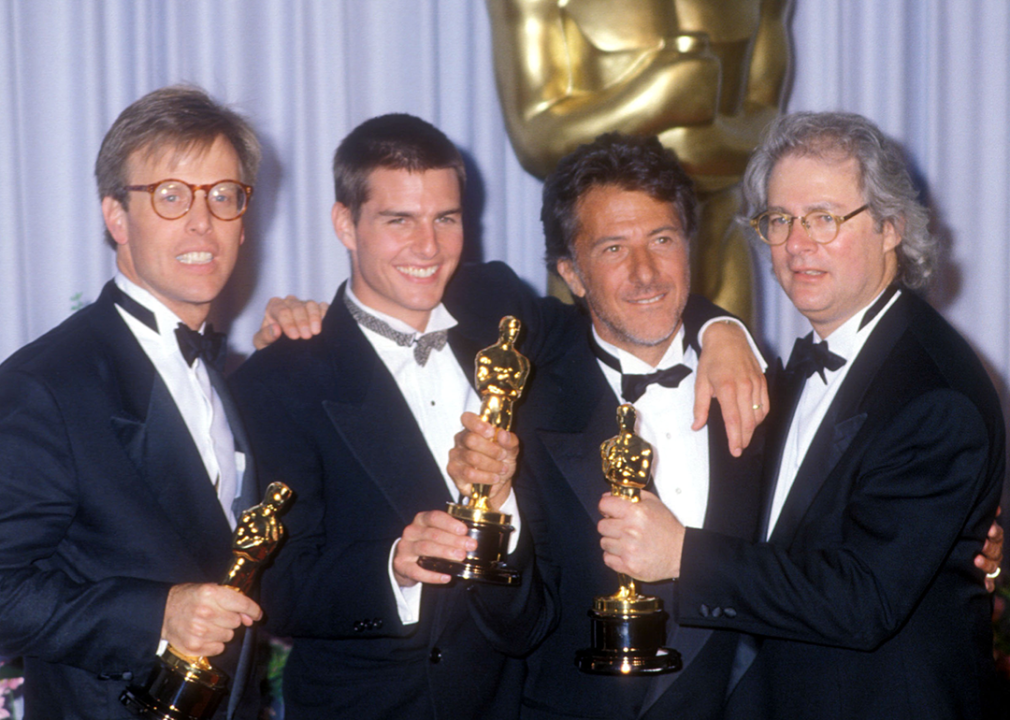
[(846, 342), (680, 467), (191, 389), (437, 393)]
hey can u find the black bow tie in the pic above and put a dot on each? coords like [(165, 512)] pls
[(208, 345), (634, 386), (809, 357)]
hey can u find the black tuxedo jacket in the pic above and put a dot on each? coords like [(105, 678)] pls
[(571, 410), (328, 419), (105, 505), (865, 600)]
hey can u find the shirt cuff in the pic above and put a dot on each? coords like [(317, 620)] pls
[(408, 599), (750, 340)]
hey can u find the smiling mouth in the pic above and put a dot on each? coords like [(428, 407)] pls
[(195, 258), (651, 300), (418, 272)]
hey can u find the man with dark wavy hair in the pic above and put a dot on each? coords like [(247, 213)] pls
[(619, 218), (122, 463)]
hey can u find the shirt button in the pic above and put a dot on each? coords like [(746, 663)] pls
[(669, 436), (678, 491), (436, 656)]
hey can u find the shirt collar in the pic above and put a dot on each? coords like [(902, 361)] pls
[(167, 320), (631, 365), (849, 337), (440, 318)]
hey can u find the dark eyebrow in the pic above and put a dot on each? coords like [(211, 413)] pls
[(661, 230), (673, 229)]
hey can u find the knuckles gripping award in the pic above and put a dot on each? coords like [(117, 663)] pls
[(501, 373), (188, 687), (627, 628)]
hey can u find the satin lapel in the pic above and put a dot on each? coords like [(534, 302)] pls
[(583, 414), (247, 489), (369, 414), (732, 509), (465, 348), (155, 438), (735, 491), (176, 475), (784, 389), (841, 423)]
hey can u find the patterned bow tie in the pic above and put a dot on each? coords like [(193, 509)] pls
[(208, 345), (809, 357), (634, 386), (423, 345)]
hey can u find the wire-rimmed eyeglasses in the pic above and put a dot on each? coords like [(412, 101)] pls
[(821, 226)]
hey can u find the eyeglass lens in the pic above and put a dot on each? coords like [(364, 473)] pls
[(822, 227), (172, 199)]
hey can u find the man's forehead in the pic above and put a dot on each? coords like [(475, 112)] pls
[(613, 205), (836, 172), (390, 180), (171, 153)]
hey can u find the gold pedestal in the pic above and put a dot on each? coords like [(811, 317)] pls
[(188, 687), (626, 636), (182, 689), (486, 563)]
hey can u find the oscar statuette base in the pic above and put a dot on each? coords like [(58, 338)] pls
[(486, 563), (181, 690), (626, 636)]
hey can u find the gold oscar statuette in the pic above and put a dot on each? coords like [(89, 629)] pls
[(187, 687), (501, 373), (705, 76), (627, 628)]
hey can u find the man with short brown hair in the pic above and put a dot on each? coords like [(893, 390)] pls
[(122, 462)]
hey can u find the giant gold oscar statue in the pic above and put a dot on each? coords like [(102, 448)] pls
[(627, 628), (500, 372), (706, 76), (186, 687)]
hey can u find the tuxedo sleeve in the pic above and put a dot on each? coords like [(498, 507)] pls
[(697, 312), (49, 608), (515, 620), (923, 490)]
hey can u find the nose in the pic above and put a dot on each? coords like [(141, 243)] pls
[(425, 242), (643, 266), (798, 240), (198, 217)]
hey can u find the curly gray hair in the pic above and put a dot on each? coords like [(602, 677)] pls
[(884, 179)]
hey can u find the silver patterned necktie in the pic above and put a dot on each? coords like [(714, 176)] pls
[(423, 344)]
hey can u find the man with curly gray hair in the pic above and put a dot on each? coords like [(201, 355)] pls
[(884, 463)]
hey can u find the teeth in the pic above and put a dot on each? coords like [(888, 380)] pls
[(418, 272), (195, 258), (649, 301)]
